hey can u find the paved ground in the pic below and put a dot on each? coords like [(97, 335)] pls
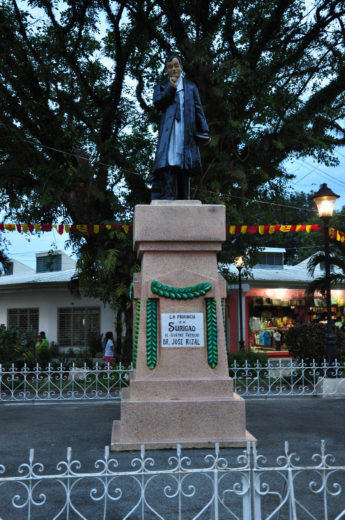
[(86, 427)]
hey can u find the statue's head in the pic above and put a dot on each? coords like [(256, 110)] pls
[(173, 65)]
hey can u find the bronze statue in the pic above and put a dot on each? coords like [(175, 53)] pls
[(183, 126)]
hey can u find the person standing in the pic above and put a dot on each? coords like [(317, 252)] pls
[(109, 348), (42, 341), (183, 126)]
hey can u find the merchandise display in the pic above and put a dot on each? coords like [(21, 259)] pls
[(271, 319)]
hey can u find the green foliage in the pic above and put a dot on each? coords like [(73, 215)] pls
[(212, 332), (95, 344), (78, 359), (248, 359), (9, 345), (308, 342), (151, 332), (44, 356), (247, 356), (337, 276), (180, 293), (254, 64), (83, 358), (307, 244), (16, 346), (75, 146), (68, 114)]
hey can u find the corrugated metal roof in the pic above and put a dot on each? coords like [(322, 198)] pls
[(33, 278), (289, 273)]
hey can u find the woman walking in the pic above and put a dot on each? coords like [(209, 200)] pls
[(109, 349)]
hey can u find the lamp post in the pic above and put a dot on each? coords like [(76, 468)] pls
[(239, 263), (325, 200)]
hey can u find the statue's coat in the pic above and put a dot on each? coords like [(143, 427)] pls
[(164, 98)]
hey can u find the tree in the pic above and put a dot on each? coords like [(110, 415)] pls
[(65, 151), (76, 145), (337, 262), (270, 74)]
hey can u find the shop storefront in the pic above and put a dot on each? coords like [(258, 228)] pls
[(274, 300), (272, 312)]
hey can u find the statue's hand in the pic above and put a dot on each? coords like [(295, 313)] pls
[(206, 133), (173, 81)]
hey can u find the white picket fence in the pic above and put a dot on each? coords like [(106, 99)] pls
[(176, 485), (282, 378)]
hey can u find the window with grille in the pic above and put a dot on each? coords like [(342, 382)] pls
[(45, 264), (25, 319), (268, 259), (77, 326)]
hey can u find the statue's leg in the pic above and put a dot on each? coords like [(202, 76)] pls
[(183, 186), (156, 187), (168, 184)]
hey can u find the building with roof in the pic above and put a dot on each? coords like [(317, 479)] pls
[(41, 300), (274, 299)]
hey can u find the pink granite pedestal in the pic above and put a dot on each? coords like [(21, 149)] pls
[(181, 399)]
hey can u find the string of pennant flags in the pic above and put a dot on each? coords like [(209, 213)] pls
[(66, 228), (335, 234)]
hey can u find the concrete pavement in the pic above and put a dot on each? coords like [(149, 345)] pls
[(86, 427)]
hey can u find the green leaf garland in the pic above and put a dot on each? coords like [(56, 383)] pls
[(151, 333), (212, 332), (180, 293)]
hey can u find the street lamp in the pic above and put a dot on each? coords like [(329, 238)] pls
[(239, 263), (325, 200)]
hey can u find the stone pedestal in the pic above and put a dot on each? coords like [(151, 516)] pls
[(180, 391)]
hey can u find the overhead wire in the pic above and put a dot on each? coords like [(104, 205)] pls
[(319, 172), (71, 154), (225, 197)]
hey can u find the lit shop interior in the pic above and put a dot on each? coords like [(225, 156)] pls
[(273, 311)]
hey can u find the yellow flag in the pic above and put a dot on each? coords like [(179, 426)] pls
[(10, 227), (82, 228)]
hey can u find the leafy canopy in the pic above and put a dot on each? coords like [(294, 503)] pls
[(77, 128)]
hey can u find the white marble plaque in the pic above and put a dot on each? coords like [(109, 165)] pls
[(182, 330)]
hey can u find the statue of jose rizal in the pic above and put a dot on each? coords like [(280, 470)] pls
[(183, 125)]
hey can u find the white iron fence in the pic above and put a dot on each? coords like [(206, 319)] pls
[(186, 486), (60, 383), (272, 379), (283, 378)]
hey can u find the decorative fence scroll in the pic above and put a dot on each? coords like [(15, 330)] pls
[(288, 378), (283, 378), (60, 383), (219, 485)]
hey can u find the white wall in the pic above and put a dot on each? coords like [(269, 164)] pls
[(48, 300), (20, 268)]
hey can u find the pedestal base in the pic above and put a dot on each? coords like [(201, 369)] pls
[(166, 444), (193, 423)]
